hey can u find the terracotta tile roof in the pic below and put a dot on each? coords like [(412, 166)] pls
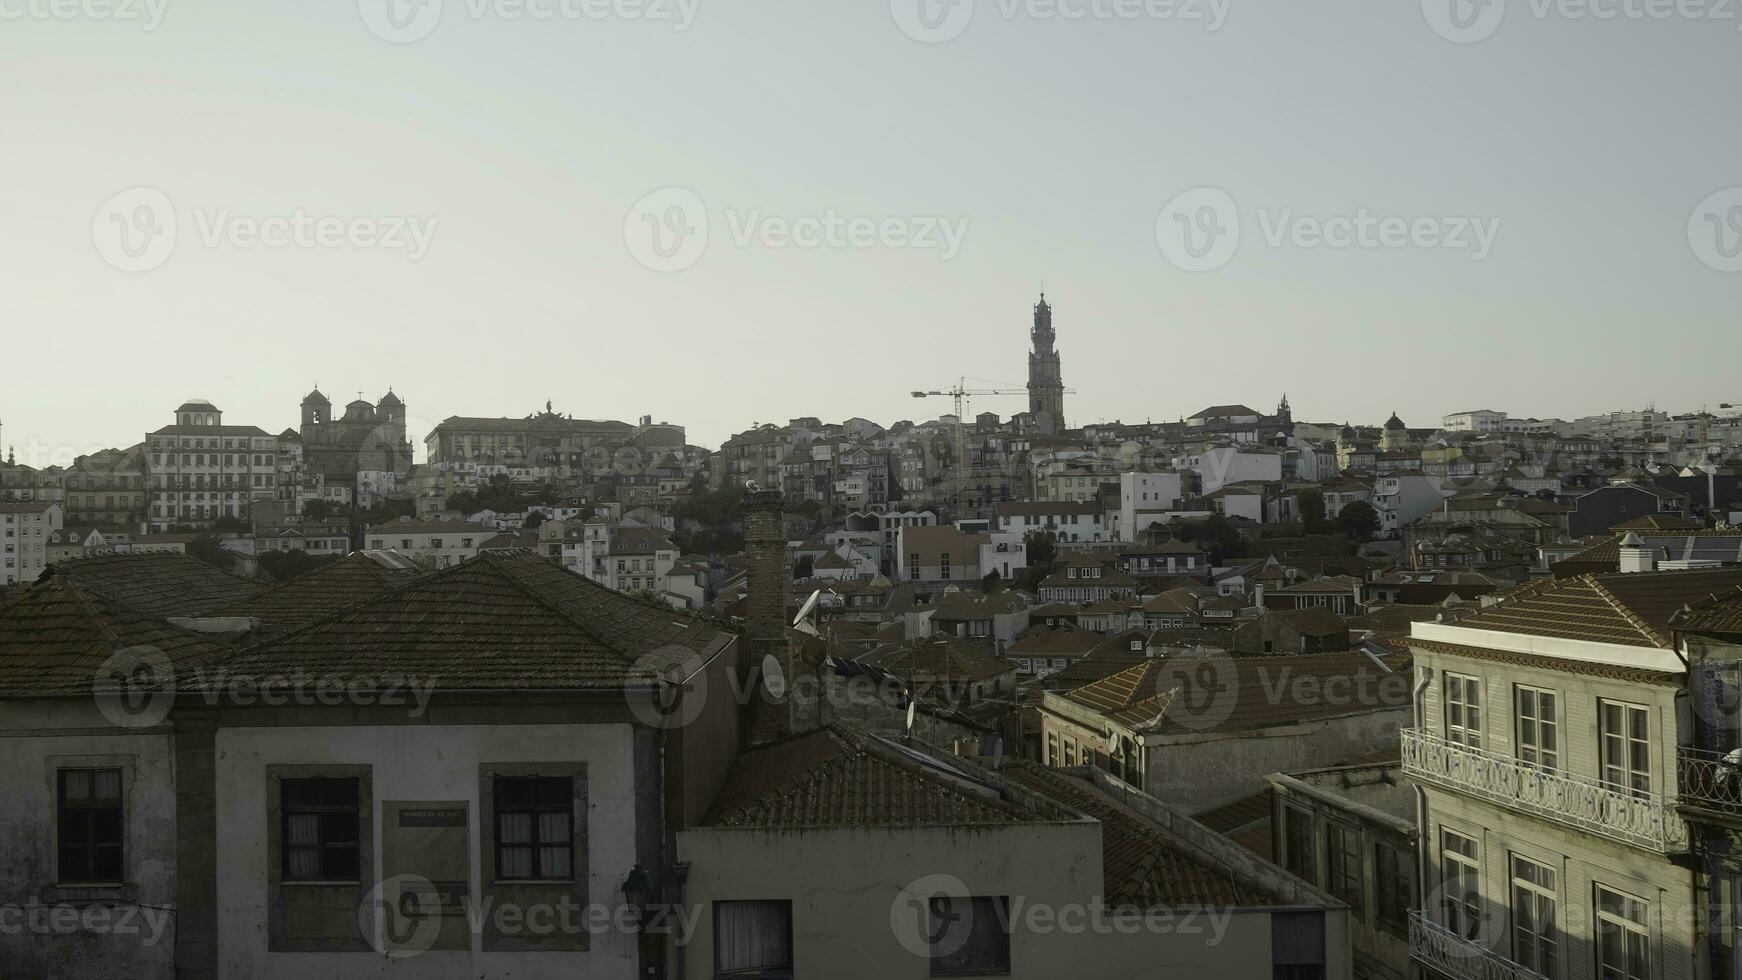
[(1721, 613), (1142, 865), (1054, 639), (55, 635), (1661, 522), (944, 661), (1313, 620), (163, 585), (1626, 609), (1720, 545), (837, 778), (502, 621), (1240, 693), (1246, 822), (357, 578)]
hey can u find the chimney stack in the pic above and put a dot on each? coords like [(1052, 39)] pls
[(1635, 556), (769, 578)]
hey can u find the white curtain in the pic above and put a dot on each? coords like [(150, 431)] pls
[(752, 936), (304, 844)]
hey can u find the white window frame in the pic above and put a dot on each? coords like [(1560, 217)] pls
[(1534, 723), (1532, 947), (1466, 730), (1460, 910), (1621, 775), (1638, 929)]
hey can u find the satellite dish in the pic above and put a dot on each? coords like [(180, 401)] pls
[(912, 711), (809, 606), (773, 678)]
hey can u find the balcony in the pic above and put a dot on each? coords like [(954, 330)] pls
[(1639, 819), (1710, 784), (1451, 955)]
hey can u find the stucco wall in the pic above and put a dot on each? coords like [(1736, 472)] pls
[(136, 938), (1199, 773), (844, 883), (419, 763)]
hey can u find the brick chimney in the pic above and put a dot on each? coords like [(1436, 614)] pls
[(769, 578)]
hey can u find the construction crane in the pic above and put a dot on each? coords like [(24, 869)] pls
[(962, 394)]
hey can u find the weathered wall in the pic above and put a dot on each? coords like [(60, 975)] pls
[(136, 937), (420, 763)]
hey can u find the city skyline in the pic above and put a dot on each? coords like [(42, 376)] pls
[(1539, 267)]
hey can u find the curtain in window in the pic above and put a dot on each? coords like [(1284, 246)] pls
[(751, 936), (516, 829), (304, 845)]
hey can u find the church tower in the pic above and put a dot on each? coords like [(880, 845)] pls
[(1046, 387)]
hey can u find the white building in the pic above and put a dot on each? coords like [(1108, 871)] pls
[(25, 530), (1481, 420), (1218, 467), (1404, 498), (200, 469), (1145, 499), (1545, 745), (435, 543)]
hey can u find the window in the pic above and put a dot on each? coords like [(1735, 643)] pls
[(1461, 881), (1623, 939), (1394, 886), (1297, 828), (1625, 731), (1464, 710), (753, 939), (1539, 728), (969, 936), (90, 826), (1535, 939), (535, 827), (1052, 749), (1343, 863), (320, 829)]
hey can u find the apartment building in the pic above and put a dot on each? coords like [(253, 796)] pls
[(201, 469), (25, 533), (433, 543), (1546, 748)]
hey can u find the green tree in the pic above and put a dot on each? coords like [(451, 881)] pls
[(991, 582), (317, 509), (1311, 505), (533, 520), (206, 548), (285, 565), (1359, 521)]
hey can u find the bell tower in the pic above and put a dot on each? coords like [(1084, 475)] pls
[(1046, 387)]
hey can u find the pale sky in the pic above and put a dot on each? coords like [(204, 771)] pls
[(526, 149)]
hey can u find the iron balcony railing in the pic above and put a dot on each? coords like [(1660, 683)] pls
[(1710, 781), (1452, 955), (1641, 819)]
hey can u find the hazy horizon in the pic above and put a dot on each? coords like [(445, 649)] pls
[(479, 206)]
